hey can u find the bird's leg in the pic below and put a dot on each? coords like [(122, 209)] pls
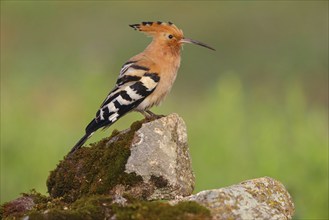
[(150, 115), (153, 115)]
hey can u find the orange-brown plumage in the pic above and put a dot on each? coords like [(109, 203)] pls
[(145, 79), (155, 28), (162, 56)]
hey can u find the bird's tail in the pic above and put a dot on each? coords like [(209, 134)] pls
[(80, 142)]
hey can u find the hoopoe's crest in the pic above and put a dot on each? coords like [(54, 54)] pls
[(145, 79), (165, 33), (156, 28)]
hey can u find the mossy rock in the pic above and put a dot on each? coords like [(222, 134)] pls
[(101, 207), (148, 161), (94, 183), (96, 169)]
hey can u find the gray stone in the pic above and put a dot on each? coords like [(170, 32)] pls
[(262, 198), (160, 154)]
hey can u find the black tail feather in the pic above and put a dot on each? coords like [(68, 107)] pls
[(80, 143)]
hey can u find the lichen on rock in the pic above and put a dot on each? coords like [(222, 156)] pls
[(262, 198)]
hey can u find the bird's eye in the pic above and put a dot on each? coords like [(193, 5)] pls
[(170, 36)]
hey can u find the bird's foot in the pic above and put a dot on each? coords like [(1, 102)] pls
[(150, 116)]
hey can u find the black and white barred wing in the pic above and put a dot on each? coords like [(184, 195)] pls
[(130, 72), (130, 91), (134, 84)]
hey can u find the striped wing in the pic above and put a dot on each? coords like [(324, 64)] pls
[(134, 84)]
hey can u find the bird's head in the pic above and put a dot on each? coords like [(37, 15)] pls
[(167, 33)]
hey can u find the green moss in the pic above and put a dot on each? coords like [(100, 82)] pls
[(96, 169), (102, 207), (161, 210), (36, 196), (92, 207)]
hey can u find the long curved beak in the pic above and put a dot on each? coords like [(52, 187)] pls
[(190, 41)]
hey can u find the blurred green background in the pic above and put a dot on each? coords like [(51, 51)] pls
[(258, 106)]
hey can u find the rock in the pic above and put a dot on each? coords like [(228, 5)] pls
[(160, 155), (149, 161), (18, 206), (262, 198)]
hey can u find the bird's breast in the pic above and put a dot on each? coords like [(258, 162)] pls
[(167, 76)]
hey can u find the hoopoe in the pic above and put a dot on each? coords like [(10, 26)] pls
[(145, 79)]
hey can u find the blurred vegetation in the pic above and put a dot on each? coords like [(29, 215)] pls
[(258, 106)]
